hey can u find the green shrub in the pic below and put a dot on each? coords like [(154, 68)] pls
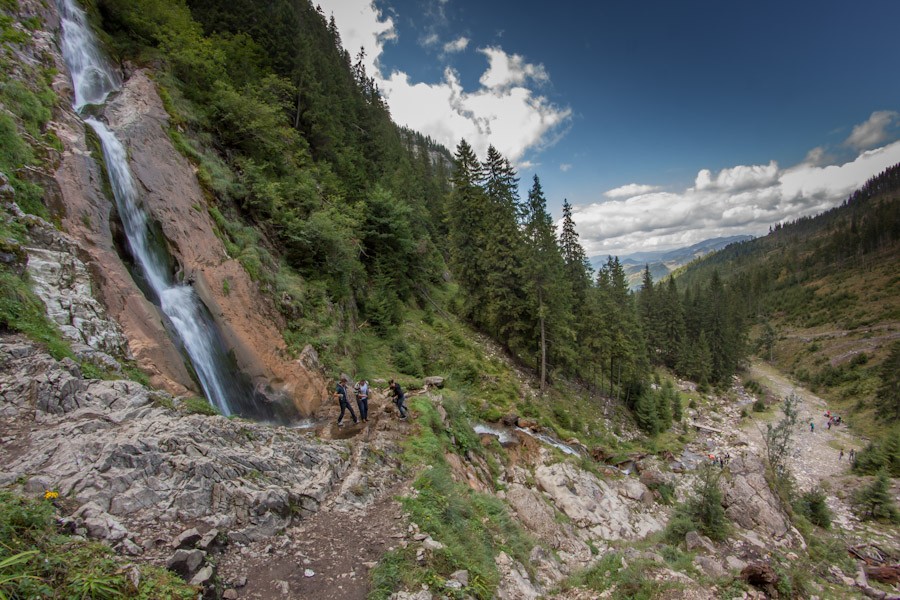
[(812, 505), (875, 502)]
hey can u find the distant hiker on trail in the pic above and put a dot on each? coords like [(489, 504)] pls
[(340, 392), (841, 457), (812, 427), (362, 399), (399, 398)]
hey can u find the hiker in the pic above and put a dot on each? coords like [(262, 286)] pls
[(340, 392), (852, 457), (841, 457), (812, 427), (399, 398), (362, 399)]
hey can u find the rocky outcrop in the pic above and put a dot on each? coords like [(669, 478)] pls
[(748, 500), (131, 464), (62, 281), (609, 510)]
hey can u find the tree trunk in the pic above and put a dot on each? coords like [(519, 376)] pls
[(543, 355)]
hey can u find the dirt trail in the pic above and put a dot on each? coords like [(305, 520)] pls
[(328, 555), (816, 458)]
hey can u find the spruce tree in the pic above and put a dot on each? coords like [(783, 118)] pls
[(466, 217), (504, 252), (548, 290)]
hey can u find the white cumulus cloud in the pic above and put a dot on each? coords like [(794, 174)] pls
[(745, 199), (631, 189), (505, 110), (565, 167), (873, 132), (457, 45)]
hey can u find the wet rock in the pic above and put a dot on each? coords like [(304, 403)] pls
[(112, 447), (511, 420)]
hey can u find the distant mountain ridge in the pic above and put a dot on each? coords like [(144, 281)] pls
[(663, 262)]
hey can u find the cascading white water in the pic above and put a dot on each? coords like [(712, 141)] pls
[(178, 302), (94, 80), (92, 76)]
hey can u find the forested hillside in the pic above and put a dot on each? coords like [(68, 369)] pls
[(823, 295), (349, 221), (329, 205)]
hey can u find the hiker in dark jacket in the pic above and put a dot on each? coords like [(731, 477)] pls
[(399, 398), (340, 392)]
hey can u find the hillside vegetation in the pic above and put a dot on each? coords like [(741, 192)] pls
[(824, 296)]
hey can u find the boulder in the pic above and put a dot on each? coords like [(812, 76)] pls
[(203, 577), (510, 420), (711, 567), (434, 381), (187, 539), (749, 501), (186, 562), (694, 540)]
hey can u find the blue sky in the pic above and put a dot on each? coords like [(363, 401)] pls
[(663, 123)]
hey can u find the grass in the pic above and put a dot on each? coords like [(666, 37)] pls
[(473, 527), (37, 561)]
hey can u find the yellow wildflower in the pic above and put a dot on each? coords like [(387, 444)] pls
[(51, 495)]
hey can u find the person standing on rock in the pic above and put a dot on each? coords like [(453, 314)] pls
[(340, 392), (399, 398), (362, 399)]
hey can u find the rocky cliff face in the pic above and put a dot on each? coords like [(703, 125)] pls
[(173, 199)]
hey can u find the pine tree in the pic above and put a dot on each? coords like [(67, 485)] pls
[(466, 217), (876, 502), (549, 292), (670, 323), (578, 268), (504, 252)]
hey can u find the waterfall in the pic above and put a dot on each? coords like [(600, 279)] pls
[(92, 76), (229, 390), (178, 302)]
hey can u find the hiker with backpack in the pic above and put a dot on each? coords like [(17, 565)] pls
[(399, 398), (362, 399)]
